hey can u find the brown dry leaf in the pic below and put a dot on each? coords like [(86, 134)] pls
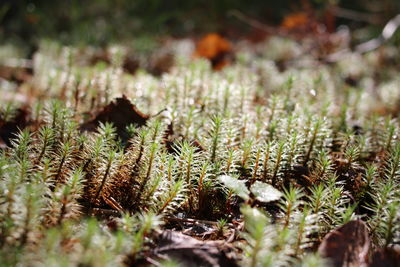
[(347, 245), (386, 257), (18, 75), (170, 138), (330, 19), (295, 20), (189, 251), (130, 65), (215, 48), (99, 56), (8, 129), (160, 63), (220, 64), (121, 113)]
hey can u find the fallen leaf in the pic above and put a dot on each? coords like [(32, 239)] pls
[(188, 251), (215, 48), (347, 245), (219, 64), (386, 257), (8, 129), (170, 138), (121, 113), (235, 185), (100, 56), (330, 19), (16, 74), (130, 65), (160, 63), (211, 45), (265, 192), (295, 20)]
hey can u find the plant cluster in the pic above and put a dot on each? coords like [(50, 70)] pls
[(292, 154)]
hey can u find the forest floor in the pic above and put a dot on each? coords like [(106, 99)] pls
[(280, 151)]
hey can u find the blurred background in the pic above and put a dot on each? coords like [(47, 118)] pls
[(100, 22)]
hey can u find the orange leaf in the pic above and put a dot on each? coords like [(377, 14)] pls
[(212, 45), (295, 20)]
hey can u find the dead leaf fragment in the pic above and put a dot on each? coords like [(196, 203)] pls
[(211, 45), (160, 63), (386, 257), (16, 74), (8, 129), (170, 139), (189, 251), (215, 48), (295, 20), (121, 113), (347, 245)]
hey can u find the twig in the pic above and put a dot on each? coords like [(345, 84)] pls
[(113, 204), (153, 261), (231, 237), (193, 221), (355, 15), (158, 113), (387, 33), (256, 24)]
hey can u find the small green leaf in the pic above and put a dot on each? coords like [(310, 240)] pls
[(253, 215), (235, 185), (265, 192)]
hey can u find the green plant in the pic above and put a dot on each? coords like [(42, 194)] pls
[(277, 159)]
